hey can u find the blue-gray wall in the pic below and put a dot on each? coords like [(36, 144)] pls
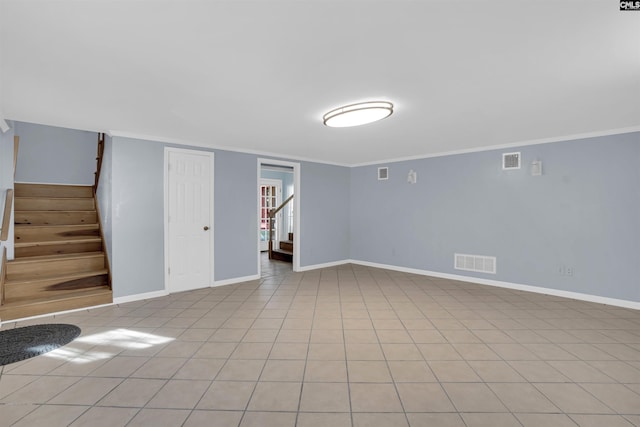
[(55, 155), (583, 212), (235, 215), (137, 226), (324, 213)]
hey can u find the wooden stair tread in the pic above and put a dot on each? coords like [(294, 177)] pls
[(50, 211), (45, 233), (52, 190), (98, 290), (54, 303), (55, 211), (54, 287), (46, 204), (281, 255), (56, 226), (51, 266), (61, 277), (31, 277), (55, 257), (282, 251), (51, 197), (56, 217), (78, 239), (32, 249)]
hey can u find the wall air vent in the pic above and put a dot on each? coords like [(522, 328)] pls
[(383, 173), (511, 161), (477, 263)]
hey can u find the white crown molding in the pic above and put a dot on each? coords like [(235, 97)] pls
[(219, 147)]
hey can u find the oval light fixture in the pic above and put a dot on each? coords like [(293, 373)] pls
[(358, 114)]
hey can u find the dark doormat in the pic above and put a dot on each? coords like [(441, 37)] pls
[(23, 343)]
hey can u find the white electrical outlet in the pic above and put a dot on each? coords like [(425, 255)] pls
[(569, 271)]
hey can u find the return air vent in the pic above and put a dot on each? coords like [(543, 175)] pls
[(477, 263), (511, 161), (383, 173)]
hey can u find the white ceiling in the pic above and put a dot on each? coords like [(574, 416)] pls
[(258, 75)]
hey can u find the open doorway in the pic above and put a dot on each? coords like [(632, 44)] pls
[(278, 213)]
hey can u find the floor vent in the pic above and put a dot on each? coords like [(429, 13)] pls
[(478, 263)]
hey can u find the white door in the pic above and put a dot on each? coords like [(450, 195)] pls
[(270, 192), (189, 204)]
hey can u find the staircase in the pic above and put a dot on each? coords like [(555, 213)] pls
[(59, 260), (284, 252)]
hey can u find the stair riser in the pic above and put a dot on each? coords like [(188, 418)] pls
[(68, 248), (10, 313), (47, 234), (50, 267), (286, 246), (55, 218), (44, 190), (53, 287), (281, 256), (42, 204)]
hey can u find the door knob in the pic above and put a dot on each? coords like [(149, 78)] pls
[(206, 227)]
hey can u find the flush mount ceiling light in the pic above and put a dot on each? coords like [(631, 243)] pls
[(358, 114)]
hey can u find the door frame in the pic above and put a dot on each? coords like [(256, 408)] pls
[(297, 191), (211, 156)]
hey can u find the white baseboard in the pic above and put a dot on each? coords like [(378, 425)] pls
[(120, 300), (508, 285), (236, 280), (163, 293), (324, 265), (138, 297)]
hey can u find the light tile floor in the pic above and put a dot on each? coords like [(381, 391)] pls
[(344, 346)]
